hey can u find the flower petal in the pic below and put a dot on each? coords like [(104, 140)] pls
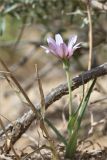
[(59, 52), (71, 42), (70, 53), (58, 48), (52, 48), (73, 49), (51, 40), (65, 50), (58, 39), (46, 49), (73, 39), (76, 46)]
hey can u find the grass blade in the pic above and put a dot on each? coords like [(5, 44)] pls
[(59, 135), (75, 123)]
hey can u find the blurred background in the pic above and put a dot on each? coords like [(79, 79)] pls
[(24, 27)]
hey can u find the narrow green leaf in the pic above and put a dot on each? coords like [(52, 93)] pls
[(71, 146), (71, 123), (85, 102), (73, 119), (75, 122), (59, 135)]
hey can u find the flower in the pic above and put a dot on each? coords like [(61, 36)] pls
[(58, 48)]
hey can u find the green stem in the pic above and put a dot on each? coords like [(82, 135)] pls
[(69, 82), (71, 147), (70, 92)]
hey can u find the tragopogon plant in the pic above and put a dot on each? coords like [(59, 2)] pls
[(64, 52)]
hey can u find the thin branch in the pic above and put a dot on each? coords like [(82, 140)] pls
[(22, 124), (42, 121), (42, 97), (90, 35)]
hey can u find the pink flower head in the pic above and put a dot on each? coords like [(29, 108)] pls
[(60, 49)]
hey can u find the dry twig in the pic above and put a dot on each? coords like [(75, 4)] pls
[(90, 34), (8, 139)]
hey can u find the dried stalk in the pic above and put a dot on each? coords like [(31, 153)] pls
[(90, 35), (8, 138), (42, 121)]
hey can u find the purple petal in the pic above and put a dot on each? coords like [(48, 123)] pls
[(73, 39), (65, 50), (76, 46), (58, 39), (70, 53), (59, 48), (71, 42), (53, 48), (51, 40), (59, 52)]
